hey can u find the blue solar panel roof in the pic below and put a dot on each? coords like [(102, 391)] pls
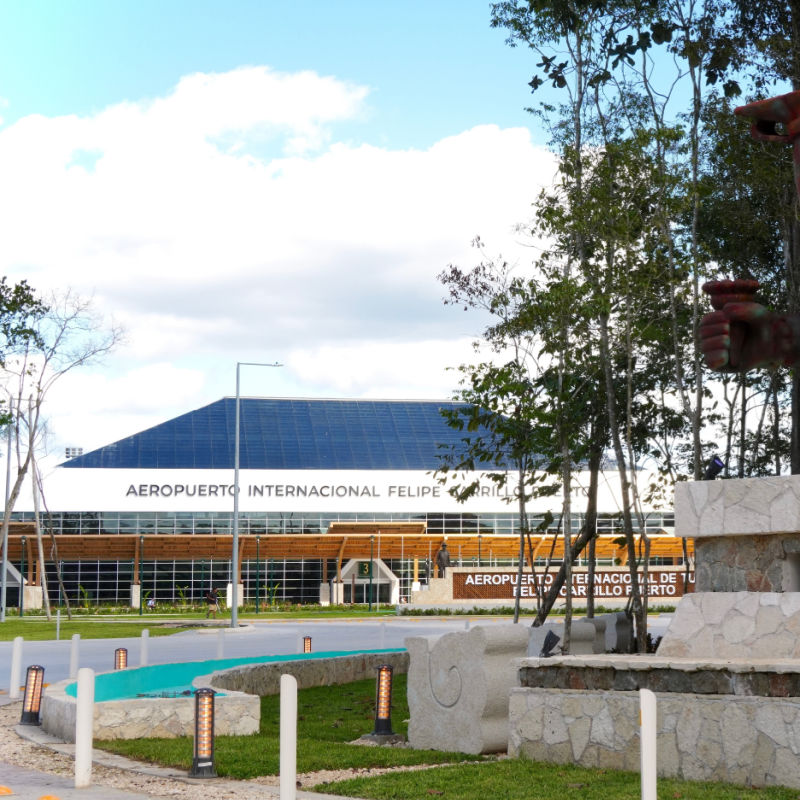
[(288, 434)]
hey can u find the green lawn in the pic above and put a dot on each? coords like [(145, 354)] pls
[(330, 717), (515, 779), (105, 625), (40, 630)]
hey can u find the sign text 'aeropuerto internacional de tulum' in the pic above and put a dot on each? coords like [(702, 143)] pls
[(609, 584)]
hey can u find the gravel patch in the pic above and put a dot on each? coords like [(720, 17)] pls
[(23, 753)]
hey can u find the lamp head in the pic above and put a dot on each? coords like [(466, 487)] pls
[(715, 466)]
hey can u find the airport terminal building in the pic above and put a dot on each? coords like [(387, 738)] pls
[(308, 468)]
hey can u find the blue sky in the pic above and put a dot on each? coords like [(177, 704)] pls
[(259, 181), (435, 66)]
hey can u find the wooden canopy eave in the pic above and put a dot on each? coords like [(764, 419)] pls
[(341, 548)]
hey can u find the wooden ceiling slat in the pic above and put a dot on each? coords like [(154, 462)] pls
[(326, 545)]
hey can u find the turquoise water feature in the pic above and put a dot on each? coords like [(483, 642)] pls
[(173, 679)]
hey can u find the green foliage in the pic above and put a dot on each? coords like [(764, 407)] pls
[(38, 630), (86, 598)]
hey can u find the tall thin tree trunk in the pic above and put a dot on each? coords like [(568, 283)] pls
[(639, 612), (523, 529), (53, 545), (40, 546), (590, 521)]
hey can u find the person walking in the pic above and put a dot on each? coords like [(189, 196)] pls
[(212, 599)]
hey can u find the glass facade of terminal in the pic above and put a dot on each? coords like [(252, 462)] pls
[(290, 580)]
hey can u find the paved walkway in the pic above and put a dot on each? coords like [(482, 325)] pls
[(30, 784)]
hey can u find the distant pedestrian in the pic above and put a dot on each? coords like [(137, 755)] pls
[(212, 600), (151, 604)]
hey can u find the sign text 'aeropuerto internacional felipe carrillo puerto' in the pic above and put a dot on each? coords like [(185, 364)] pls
[(200, 490)]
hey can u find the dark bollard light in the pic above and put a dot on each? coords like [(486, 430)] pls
[(550, 641), (121, 658), (32, 702), (203, 758), (306, 644), (715, 466), (383, 702)]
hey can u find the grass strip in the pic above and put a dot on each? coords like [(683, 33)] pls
[(328, 718), (518, 779), (37, 631)]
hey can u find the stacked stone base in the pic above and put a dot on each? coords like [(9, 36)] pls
[(753, 741), (733, 721)]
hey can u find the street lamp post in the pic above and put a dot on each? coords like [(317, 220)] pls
[(235, 547), (4, 576)]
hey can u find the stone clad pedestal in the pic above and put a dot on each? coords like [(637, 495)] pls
[(746, 533), (727, 672)]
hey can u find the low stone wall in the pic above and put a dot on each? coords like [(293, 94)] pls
[(745, 736), (235, 713), (748, 740), (750, 678), (458, 686), (264, 679)]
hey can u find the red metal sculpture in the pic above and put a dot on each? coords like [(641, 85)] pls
[(741, 334)]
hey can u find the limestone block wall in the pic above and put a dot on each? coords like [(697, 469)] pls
[(733, 625), (264, 679), (739, 507), (749, 740), (458, 687), (235, 713)]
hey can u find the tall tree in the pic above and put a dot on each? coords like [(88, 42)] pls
[(65, 334)]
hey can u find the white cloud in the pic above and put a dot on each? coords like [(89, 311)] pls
[(225, 219), (393, 370)]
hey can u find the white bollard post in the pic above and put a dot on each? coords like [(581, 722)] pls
[(84, 722), (288, 738), (58, 624), (221, 643), (16, 668), (647, 737), (144, 650), (466, 624), (74, 655)]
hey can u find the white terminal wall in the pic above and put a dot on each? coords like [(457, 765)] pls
[(380, 491)]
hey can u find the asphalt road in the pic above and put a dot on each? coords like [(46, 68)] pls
[(258, 639)]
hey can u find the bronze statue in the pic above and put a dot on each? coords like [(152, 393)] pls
[(741, 334), (443, 559)]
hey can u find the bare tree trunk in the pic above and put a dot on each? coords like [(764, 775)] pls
[(590, 521), (53, 544), (523, 529), (639, 610), (40, 546)]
